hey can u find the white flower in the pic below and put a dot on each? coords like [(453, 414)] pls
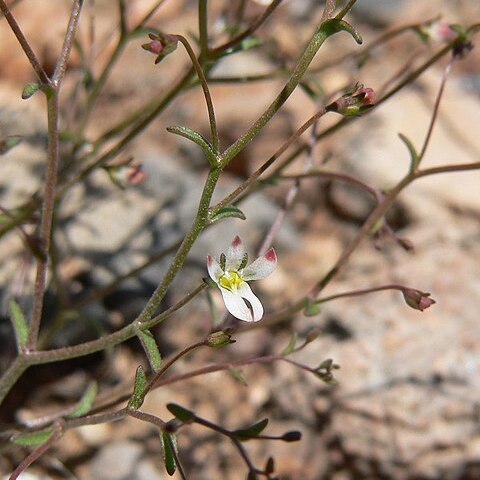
[(231, 276)]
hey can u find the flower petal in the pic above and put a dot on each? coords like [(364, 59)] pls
[(262, 267), (214, 269), (257, 307), (236, 305), (235, 254)]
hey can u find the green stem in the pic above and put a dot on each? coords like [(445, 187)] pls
[(203, 29), (312, 48)]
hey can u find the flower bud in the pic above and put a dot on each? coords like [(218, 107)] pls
[(218, 339), (125, 175), (355, 102), (439, 32), (161, 45), (417, 299)]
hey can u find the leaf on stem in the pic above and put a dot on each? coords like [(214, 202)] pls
[(86, 402), (19, 325), (254, 430), (229, 211), (169, 442), (151, 349), (200, 140), (291, 345), (312, 308), (414, 158), (33, 438), (238, 376), (335, 25), (30, 89), (137, 397), (182, 414)]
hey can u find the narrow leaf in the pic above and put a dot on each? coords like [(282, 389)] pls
[(19, 325), (169, 441), (334, 25), (136, 399), (86, 402), (151, 349), (238, 376), (33, 438), (182, 414), (248, 433), (200, 140), (414, 159), (291, 345), (229, 211), (29, 90)]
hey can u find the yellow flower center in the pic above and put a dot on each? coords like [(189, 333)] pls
[(231, 281)]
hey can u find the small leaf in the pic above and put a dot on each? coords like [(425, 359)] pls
[(169, 443), (237, 375), (151, 349), (182, 414), (9, 142), (334, 25), (270, 466), (291, 345), (248, 433), (19, 325), (33, 438), (312, 309), (85, 403), (136, 399), (29, 90), (414, 158), (200, 140), (228, 211)]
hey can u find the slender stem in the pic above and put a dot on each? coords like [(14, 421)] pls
[(346, 9), (249, 31), (436, 109), (356, 293), (206, 91), (61, 65), (149, 15), (38, 452), (48, 209), (174, 359), (146, 417), (313, 46), (463, 167), (11, 376), (39, 71), (203, 28)]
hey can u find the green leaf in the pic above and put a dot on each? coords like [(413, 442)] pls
[(237, 375), (182, 414), (29, 90), (334, 25), (200, 140), (19, 325), (86, 402), (312, 309), (291, 345), (9, 142), (169, 442), (136, 399), (33, 438), (414, 158), (151, 349), (228, 211), (248, 433)]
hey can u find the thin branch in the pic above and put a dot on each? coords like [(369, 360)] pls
[(61, 66), (40, 72)]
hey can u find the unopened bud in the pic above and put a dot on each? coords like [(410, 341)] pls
[(439, 32), (293, 436), (161, 45), (355, 102), (218, 339), (125, 175), (417, 299)]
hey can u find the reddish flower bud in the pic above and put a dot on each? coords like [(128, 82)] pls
[(439, 32), (161, 45), (125, 175), (417, 299), (355, 102)]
